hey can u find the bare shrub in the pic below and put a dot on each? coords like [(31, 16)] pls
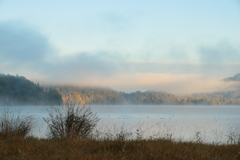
[(13, 124), (70, 121)]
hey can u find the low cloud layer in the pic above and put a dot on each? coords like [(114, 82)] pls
[(79, 66), (22, 44), (173, 83), (27, 52)]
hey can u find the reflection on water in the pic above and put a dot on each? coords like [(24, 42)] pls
[(210, 123)]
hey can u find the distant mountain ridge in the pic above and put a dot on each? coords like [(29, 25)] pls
[(234, 78)]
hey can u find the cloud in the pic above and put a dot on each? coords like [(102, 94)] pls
[(173, 83), (27, 52), (218, 70), (223, 52), (20, 43), (78, 66), (96, 70), (101, 70)]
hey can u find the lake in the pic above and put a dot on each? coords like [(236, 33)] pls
[(179, 122)]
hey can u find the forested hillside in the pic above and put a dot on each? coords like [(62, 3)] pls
[(88, 95), (17, 90)]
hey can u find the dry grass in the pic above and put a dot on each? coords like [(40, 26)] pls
[(111, 146), (14, 124), (32, 148)]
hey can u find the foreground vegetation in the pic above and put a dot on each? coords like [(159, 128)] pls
[(73, 135), (90, 149)]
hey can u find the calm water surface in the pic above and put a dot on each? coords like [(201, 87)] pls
[(214, 123)]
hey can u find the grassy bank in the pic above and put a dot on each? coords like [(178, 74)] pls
[(72, 135), (33, 148)]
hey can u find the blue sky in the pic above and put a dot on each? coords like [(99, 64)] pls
[(126, 45)]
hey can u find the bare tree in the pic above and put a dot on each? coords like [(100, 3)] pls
[(70, 121)]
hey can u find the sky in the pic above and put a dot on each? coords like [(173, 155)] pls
[(174, 46)]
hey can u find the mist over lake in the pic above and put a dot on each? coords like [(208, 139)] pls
[(161, 77), (185, 122)]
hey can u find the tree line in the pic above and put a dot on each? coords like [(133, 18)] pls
[(90, 95), (17, 90)]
